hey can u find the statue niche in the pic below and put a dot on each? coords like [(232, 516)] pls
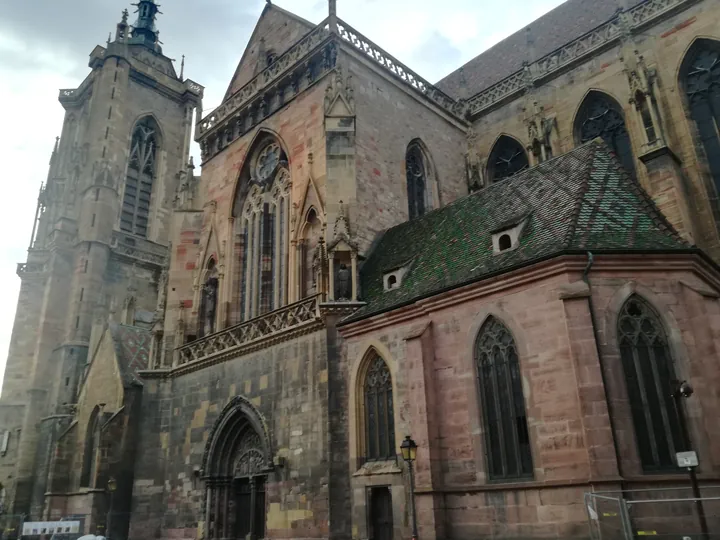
[(208, 307)]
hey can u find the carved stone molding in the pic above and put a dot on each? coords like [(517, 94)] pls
[(575, 51)]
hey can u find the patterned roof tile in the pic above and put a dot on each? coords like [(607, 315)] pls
[(582, 200)]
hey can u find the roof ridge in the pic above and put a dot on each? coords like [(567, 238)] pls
[(580, 194)]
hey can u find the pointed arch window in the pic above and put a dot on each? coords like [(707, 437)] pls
[(649, 376), (417, 181), (507, 158), (379, 413), (92, 437), (141, 173), (507, 439), (701, 80), (601, 116), (264, 226)]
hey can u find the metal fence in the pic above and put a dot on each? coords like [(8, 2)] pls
[(667, 514)]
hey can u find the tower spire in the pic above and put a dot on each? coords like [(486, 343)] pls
[(144, 31)]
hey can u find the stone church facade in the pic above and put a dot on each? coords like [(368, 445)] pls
[(515, 266)]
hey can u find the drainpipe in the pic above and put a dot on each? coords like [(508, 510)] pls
[(593, 322)]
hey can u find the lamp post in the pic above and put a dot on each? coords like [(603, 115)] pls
[(111, 487), (688, 458), (408, 448)]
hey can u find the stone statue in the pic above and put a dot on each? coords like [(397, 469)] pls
[(210, 305), (343, 283)]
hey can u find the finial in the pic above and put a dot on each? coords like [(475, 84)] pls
[(332, 8), (109, 38), (125, 15), (182, 67), (57, 144)]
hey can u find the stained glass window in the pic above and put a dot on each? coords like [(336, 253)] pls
[(416, 181), (503, 404), (140, 178), (702, 85), (601, 116), (649, 377), (506, 159), (379, 416)]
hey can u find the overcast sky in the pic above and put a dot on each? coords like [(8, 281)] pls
[(44, 46)]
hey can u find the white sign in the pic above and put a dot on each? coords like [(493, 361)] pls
[(687, 459), (36, 528)]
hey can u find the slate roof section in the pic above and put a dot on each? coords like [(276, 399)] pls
[(132, 347), (556, 28), (580, 201)]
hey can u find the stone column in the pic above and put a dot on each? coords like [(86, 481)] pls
[(248, 265), (354, 276), (331, 277)]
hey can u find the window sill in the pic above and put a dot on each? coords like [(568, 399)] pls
[(372, 468)]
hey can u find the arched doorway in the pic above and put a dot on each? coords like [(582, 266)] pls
[(236, 464)]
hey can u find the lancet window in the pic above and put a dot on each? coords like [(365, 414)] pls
[(417, 181), (141, 173), (506, 159), (701, 80), (92, 436), (507, 439), (649, 377), (601, 116), (264, 225), (379, 413)]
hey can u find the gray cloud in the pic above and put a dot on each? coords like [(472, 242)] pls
[(435, 57)]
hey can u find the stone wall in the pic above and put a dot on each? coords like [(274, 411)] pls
[(429, 349), (663, 47), (288, 385), (389, 115)]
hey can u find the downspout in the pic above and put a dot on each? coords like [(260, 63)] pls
[(593, 323)]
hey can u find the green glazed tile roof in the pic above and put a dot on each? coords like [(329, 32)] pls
[(582, 200)]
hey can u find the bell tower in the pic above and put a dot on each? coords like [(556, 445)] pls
[(84, 262)]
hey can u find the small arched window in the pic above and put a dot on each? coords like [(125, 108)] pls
[(506, 159), (701, 81), (601, 116), (379, 413), (649, 377), (507, 441), (141, 173), (92, 437), (417, 181)]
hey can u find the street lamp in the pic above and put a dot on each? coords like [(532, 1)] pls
[(408, 448), (688, 458), (111, 487)]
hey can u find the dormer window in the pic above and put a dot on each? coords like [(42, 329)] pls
[(392, 280), (504, 242), (507, 237)]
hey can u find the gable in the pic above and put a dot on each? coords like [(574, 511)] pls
[(277, 30), (103, 381)]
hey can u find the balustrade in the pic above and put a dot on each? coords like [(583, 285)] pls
[(281, 322)]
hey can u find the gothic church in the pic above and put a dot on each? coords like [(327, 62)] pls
[(515, 266)]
